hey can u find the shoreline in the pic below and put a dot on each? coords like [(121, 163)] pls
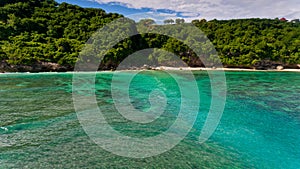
[(224, 69), (162, 68)]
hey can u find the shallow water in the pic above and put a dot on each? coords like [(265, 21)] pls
[(260, 126)]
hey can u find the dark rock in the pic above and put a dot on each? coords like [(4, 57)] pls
[(4, 66), (35, 67), (291, 66), (146, 67), (266, 64)]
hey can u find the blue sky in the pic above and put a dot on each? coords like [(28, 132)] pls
[(160, 10)]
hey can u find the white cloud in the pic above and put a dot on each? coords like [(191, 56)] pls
[(220, 9)]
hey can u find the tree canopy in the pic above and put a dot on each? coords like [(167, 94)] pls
[(44, 31)]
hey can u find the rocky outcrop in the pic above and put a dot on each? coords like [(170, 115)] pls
[(54, 67), (279, 67), (268, 64), (5, 67), (36, 67)]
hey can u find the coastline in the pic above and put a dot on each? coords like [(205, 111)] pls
[(162, 68), (223, 69), (46, 67)]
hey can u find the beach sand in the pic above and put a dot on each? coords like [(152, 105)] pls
[(221, 69), (178, 68)]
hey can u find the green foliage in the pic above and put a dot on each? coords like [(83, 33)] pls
[(146, 22), (246, 41), (179, 21), (43, 30), (169, 21)]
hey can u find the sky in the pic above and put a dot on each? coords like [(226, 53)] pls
[(189, 10)]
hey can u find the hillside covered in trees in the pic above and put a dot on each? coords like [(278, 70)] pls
[(42, 35)]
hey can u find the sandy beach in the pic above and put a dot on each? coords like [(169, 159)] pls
[(177, 69), (220, 69)]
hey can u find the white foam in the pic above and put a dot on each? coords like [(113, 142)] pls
[(4, 128)]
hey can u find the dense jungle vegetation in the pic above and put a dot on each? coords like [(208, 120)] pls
[(33, 31)]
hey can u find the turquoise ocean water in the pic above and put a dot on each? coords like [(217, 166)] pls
[(260, 126)]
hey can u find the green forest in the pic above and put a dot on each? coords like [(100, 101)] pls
[(42, 31)]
